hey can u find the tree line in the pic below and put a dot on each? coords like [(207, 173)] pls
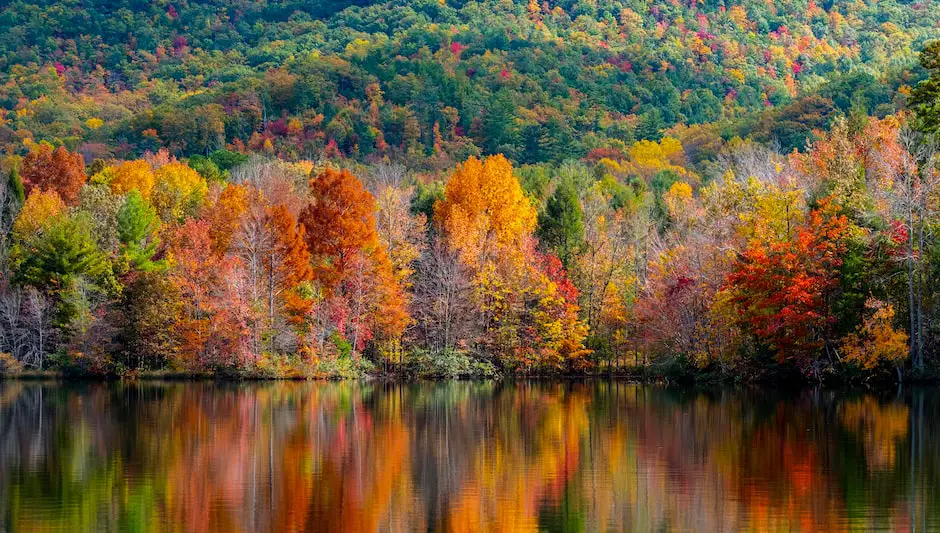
[(748, 264)]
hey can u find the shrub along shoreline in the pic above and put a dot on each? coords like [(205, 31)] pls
[(672, 374)]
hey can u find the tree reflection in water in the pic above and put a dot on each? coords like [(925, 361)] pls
[(462, 456)]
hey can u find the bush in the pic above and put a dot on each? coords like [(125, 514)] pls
[(446, 364), (279, 366), (343, 368), (9, 365)]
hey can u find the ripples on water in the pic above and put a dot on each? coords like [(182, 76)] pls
[(595, 456)]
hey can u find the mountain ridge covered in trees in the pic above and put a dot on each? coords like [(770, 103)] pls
[(538, 82), (733, 189)]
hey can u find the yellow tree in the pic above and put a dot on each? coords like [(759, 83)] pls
[(179, 190), (527, 306), (875, 340), (128, 176), (40, 207), (485, 212)]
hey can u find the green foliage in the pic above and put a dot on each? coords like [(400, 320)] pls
[(925, 99), (343, 347), (794, 125), (65, 262), (15, 186), (207, 168), (536, 181), (343, 367), (561, 224), (65, 250), (424, 198), (620, 195), (407, 80), (226, 160), (137, 225), (448, 363)]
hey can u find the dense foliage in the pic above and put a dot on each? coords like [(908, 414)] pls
[(453, 188), (433, 82)]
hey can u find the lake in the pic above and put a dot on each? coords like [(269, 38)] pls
[(463, 456)]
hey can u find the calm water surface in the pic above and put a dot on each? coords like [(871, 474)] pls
[(596, 456)]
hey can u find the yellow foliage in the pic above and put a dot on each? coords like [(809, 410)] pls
[(485, 212), (128, 176), (488, 221), (678, 195), (739, 16), (648, 158), (94, 123), (609, 165), (875, 340), (358, 48), (178, 190), (9, 365), (765, 211), (39, 207)]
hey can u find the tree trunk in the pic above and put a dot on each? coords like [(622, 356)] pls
[(912, 311), (920, 301)]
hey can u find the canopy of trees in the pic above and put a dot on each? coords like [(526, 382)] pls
[(432, 83), (454, 188)]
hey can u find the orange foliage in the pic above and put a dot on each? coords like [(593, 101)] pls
[(348, 260), (224, 216), (340, 224), (58, 170), (288, 264), (484, 213), (210, 329)]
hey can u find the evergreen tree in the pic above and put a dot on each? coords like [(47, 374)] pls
[(561, 225), (137, 223), (925, 99)]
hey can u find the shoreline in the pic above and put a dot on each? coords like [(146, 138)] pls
[(401, 378)]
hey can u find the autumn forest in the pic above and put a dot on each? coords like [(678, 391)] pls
[(715, 190)]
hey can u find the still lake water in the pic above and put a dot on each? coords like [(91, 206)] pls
[(464, 456)]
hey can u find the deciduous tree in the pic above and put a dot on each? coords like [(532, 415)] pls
[(55, 169)]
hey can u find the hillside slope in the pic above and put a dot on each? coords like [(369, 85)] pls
[(411, 80)]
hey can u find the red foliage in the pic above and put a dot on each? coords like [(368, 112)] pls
[(597, 154), (550, 265), (58, 170), (898, 236), (781, 289)]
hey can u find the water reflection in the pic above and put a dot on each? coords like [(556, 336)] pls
[(597, 456)]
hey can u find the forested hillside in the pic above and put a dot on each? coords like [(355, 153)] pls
[(739, 190), (535, 81)]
